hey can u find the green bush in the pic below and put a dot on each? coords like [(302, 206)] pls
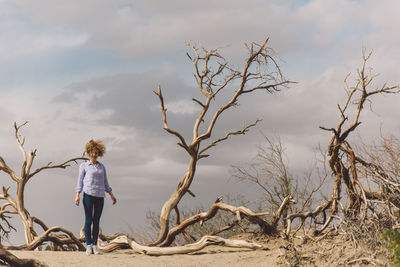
[(392, 239)]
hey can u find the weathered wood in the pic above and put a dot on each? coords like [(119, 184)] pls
[(197, 246), (205, 216)]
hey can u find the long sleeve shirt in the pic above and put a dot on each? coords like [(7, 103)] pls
[(93, 179)]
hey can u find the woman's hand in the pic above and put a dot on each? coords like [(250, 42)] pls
[(114, 200), (77, 199)]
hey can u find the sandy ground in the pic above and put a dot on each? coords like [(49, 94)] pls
[(211, 256), (337, 250)]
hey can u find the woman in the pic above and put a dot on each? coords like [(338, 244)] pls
[(93, 182)]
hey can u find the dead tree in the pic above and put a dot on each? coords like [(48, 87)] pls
[(213, 74), (342, 158), (270, 172), (15, 205), (343, 161), (379, 166)]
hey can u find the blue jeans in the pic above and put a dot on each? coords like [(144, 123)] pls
[(93, 208)]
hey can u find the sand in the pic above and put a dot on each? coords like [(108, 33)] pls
[(211, 256)]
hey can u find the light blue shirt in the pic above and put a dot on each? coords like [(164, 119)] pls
[(93, 179)]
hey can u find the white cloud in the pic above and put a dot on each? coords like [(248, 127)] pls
[(183, 107), (19, 38), (327, 17), (21, 44), (139, 29)]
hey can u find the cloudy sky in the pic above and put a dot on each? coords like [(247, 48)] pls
[(78, 70)]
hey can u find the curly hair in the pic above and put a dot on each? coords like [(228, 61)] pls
[(95, 145)]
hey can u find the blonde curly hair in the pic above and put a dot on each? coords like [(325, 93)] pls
[(93, 145)]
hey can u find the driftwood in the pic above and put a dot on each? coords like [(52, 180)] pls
[(197, 246)]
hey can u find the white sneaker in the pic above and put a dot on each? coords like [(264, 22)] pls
[(95, 250), (89, 249)]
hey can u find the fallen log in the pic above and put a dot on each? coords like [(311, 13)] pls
[(205, 241)]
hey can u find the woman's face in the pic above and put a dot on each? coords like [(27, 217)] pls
[(94, 154)]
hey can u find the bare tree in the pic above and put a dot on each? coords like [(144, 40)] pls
[(15, 205), (380, 165), (342, 159), (213, 74), (270, 172), (370, 176)]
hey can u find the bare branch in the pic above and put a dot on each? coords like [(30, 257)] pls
[(21, 142), (191, 193), (49, 166), (261, 52), (240, 132), (41, 223), (198, 102), (32, 155), (269, 88), (47, 236), (164, 115), (4, 167)]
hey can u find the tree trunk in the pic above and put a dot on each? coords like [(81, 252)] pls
[(174, 199), (26, 218)]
